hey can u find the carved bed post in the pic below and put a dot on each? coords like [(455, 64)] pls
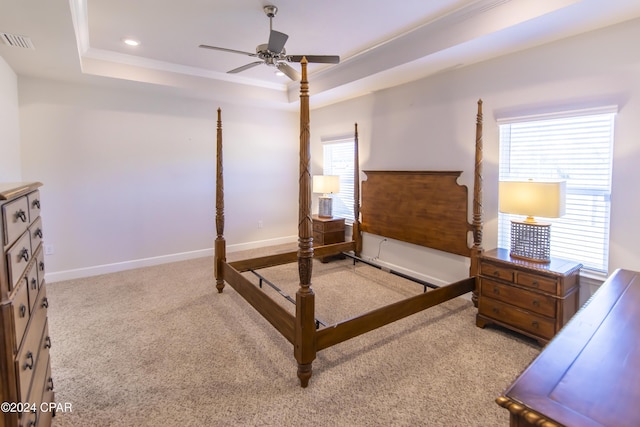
[(304, 345), (220, 255), (476, 251), (356, 234)]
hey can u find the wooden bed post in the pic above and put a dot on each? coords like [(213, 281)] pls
[(356, 234), (220, 255), (476, 251), (305, 342)]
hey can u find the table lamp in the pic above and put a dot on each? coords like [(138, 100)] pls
[(326, 185), (530, 239)]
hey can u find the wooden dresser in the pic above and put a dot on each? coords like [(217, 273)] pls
[(26, 385), (531, 298), (589, 374), (327, 231)]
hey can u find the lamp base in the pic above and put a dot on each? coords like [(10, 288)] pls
[(531, 241), (325, 207)]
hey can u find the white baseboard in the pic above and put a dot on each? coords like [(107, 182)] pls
[(58, 276)]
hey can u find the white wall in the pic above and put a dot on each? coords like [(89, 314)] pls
[(9, 125), (129, 177), (430, 124)]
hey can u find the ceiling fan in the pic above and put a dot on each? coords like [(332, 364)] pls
[(273, 52)]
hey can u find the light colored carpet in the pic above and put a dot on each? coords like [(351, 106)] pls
[(159, 346)]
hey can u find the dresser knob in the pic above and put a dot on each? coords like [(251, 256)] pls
[(41, 265), (23, 310), (29, 364), (24, 254), (535, 283), (496, 291), (36, 203), (495, 310), (496, 273), (21, 215), (38, 233), (536, 303), (47, 342), (34, 283), (45, 303), (535, 324), (50, 384)]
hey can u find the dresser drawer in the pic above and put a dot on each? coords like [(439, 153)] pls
[(496, 271), (18, 257), (543, 284), (532, 301), (33, 199), (28, 354), (20, 312), (35, 232), (15, 219), (40, 266), (32, 286), (516, 317)]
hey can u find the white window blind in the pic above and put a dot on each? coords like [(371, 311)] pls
[(575, 147), (338, 160)]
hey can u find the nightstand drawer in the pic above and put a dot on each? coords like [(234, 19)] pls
[(326, 226), (536, 282), (496, 271), (518, 318), (532, 301), (329, 238)]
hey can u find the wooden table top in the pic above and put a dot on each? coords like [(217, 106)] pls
[(589, 374)]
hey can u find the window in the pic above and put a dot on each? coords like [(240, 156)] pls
[(338, 160), (575, 147)]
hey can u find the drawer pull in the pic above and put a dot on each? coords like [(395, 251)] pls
[(24, 254), (34, 283), (496, 273), (536, 303), (21, 215), (23, 310), (29, 365), (45, 302), (535, 284), (36, 203), (495, 310), (535, 324), (50, 384), (496, 291), (41, 265), (38, 233), (47, 342)]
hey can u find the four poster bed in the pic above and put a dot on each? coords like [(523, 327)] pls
[(422, 207)]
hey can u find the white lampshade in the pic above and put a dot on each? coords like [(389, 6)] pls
[(326, 184), (532, 198)]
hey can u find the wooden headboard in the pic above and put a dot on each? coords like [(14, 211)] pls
[(427, 208)]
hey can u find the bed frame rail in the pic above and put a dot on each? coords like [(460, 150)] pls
[(342, 331), (275, 314)]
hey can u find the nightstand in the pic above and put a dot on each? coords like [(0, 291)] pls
[(327, 231), (534, 299)]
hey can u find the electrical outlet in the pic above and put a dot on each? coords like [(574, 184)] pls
[(48, 249)]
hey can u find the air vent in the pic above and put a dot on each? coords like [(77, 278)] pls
[(17, 41)]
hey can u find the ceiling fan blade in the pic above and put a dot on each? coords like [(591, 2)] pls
[(224, 49), (277, 41), (322, 59), (245, 67), (288, 70)]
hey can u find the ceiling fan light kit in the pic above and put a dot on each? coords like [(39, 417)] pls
[(273, 52)]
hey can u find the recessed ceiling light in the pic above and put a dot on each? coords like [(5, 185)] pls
[(131, 42)]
